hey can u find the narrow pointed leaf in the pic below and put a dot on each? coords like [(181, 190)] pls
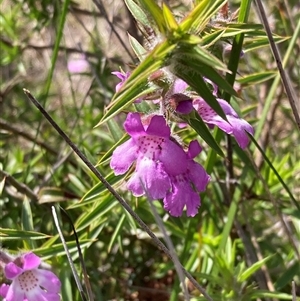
[(199, 126), (169, 18), (97, 213), (12, 234), (257, 78), (137, 12), (200, 15), (138, 49), (250, 271), (156, 13), (117, 232)]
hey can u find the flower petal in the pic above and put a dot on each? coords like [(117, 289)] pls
[(123, 156), (158, 127), (173, 158), (185, 107), (31, 261), (48, 280), (240, 127), (198, 175), (12, 271), (50, 296), (194, 149), (211, 117), (151, 176), (123, 77), (227, 108), (40, 295), (14, 293), (133, 125), (214, 86), (179, 86), (182, 195), (4, 289)]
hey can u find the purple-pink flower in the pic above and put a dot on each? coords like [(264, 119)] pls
[(28, 282), (235, 126), (123, 76), (160, 163), (187, 185), (78, 66), (177, 99)]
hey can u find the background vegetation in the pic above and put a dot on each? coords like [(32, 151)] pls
[(244, 243)]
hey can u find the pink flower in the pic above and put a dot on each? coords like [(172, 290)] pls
[(187, 185), (78, 66), (235, 126), (156, 156), (28, 282), (123, 77), (177, 99), (161, 165)]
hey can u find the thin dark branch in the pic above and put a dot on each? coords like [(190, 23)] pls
[(76, 277), (83, 266), (23, 133), (284, 76), (123, 203), (85, 12), (19, 186), (101, 7), (68, 50)]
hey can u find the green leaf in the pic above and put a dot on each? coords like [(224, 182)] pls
[(2, 184), (96, 213), (94, 193), (59, 34), (51, 195), (200, 15), (138, 49), (66, 287), (27, 221), (156, 13), (256, 78), (197, 56), (211, 38), (268, 294), (117, 232), (137, 12), (256, 43), (251, 270), (11, 234), (199, 126), (169, 19), (58, 249), (288, 276)]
